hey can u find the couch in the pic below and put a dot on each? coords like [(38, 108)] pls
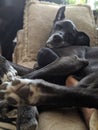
[(38, 20)]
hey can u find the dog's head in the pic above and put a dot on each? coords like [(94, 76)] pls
[(64, 33)]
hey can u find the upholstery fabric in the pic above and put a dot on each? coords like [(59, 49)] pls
[(67, 119)]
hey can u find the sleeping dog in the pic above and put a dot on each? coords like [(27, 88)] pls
[(71, 57), (67, 52)]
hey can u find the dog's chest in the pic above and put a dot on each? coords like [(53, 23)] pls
[(68, 51)]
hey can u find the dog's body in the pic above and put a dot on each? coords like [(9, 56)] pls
[(11, 20), (72, 56), (67, 53)]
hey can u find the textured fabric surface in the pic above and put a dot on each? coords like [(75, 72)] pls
[(67, 119), (20, 56), (9, 126)]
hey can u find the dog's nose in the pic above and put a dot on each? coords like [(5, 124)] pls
[(57, 37)]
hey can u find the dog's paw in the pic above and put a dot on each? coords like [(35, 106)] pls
[(7, 72), (23, 91)]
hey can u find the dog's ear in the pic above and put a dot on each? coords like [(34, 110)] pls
[(60, 14), (83, 39)]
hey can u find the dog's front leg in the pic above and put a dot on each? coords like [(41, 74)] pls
[(62, 66), (40, 92), (21, 70)]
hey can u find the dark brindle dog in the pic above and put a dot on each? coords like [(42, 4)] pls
[(67, 53), (11, 20)]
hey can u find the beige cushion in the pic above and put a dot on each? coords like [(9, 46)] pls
[(19, 55), (38, 21), (61, 120)]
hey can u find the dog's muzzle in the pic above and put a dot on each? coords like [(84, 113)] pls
[(55, 40)]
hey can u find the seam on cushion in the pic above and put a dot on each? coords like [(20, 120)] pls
[(25, 26)]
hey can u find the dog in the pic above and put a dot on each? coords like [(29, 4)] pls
[(11, 20), (68, 53), (61, 68)]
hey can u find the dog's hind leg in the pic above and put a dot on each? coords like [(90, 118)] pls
[(86, 112), (61, 67), (90, 114)]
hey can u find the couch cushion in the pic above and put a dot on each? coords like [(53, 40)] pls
[(67, 119), (38, 20), (20, 56)]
